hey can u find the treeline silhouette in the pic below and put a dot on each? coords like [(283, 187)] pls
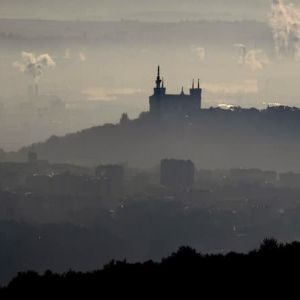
[(271, 267)]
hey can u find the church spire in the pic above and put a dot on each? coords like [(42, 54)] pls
[(193, 86), (182, 91), (158, 80), (198, 83)]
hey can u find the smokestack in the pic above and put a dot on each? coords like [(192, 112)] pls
[(34, 66)]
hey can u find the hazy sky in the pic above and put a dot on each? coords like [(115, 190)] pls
[(103, 69), (137, 9)]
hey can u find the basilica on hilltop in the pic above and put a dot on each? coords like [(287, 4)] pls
[(165, 104)]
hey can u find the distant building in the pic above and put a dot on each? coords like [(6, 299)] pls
[(177, 174), (40, 184), (40, 175), (164, 104), (111, 179), (251, 176), (64, 184), (32, 157), (290, 180)]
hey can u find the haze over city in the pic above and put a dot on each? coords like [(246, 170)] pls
[(148, 142)]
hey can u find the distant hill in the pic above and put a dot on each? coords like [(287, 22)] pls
[(213, 138)]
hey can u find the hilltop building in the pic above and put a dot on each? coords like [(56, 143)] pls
[(165, 104)]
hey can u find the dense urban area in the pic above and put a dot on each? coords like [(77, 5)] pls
[(71, 215)]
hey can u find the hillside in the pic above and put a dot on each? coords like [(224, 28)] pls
[(213, 138)]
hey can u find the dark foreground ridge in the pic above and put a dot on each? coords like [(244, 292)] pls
[(272, 267)]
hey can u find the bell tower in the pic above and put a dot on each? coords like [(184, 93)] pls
[(159, 89), (196, 93)]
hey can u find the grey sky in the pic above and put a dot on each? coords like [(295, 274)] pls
[(155, 10)]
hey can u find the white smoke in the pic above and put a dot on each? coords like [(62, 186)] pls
[(34, 65), (284, 20), (200, 53), (67, 54), (256, 59), (82, 56), (242, 55)]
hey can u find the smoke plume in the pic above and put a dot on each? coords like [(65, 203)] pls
[(71, 55), (34, 65), (201, 53), (284, 20), (67, 54), (82, 57), (254, 59), (242, 56)]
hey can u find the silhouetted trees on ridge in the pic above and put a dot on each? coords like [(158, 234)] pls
[(272, 263)]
